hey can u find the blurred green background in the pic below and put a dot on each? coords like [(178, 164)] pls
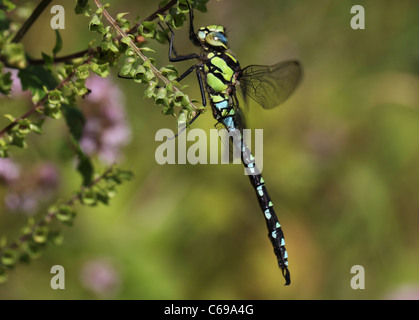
[(341, 163)]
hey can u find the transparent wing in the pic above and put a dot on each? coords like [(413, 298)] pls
[(270, 85)]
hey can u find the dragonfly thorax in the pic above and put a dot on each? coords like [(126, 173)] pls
[(212, 37)]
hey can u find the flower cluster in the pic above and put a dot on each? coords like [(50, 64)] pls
[(106, 130), (26, 191)]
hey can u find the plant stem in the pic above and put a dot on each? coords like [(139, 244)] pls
[(137, 50), (83, 52), (28, 23), (51, 214), (154, 14), (63, 58), (41, 102)]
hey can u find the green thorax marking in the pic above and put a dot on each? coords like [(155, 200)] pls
[(219, 69)]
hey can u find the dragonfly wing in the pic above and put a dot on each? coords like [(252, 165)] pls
[(270, 85)]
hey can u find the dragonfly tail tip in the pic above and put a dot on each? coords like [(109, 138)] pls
[(286, 275)]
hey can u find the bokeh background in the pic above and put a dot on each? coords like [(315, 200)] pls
[(341, 162)]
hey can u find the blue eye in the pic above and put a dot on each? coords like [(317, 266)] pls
[(216, 39), (220, 37)]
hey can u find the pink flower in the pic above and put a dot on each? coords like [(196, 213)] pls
[(106, 130), (100, 277)]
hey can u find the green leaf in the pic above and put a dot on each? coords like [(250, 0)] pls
[(201, 5), (8, 258), (119, 16), (40, 235), (82, 7), (101, 70), (6, 4), (58, 43), (34, 78), (4, 21), (170, 72), (147, 49), (83, 71), (36, 127), (124, 175), (182, 6), (48, 60), (55, 97), (14, 54), (75, 122), (126, 40), (147, 29), (96, 25), (127, 67), (88, 197), (161, 93), (65, 214), (182, 118), (74, 119), (5, 83), (109, 45), (85, 167), (149, 91)]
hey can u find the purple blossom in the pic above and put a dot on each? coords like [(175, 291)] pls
[(27, 191), (100, 277), (406, 292), (106, 130), (16, 89), (9, 171)]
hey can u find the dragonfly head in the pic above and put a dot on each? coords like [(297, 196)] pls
[(213, 37)]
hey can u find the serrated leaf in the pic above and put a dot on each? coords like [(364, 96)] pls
[(34, 78), (182, 6), (161, 93), (82, 7), (147, 29), (96, 25), (101, 70), (126, 40), (5, 83)]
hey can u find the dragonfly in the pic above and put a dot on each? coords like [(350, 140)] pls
[(220, 77)]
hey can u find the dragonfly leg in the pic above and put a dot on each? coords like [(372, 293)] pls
[(179, 57), (192, 34), (201, 86)]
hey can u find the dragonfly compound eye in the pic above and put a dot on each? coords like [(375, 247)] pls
[(216, 39)]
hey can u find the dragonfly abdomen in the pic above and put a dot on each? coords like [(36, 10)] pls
[(275, 233)]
